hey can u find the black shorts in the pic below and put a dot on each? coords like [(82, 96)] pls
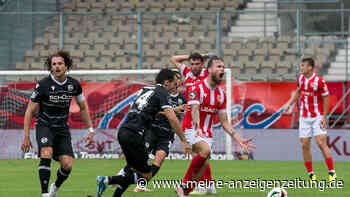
[(159, 140), (58, 138), (134, 149)]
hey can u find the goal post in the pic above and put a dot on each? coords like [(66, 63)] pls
[(107, 99)]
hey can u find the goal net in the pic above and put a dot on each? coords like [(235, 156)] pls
[(108, 93)]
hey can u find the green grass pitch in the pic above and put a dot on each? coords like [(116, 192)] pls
[(19, 178)]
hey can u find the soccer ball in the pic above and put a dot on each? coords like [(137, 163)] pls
[(277, 192)]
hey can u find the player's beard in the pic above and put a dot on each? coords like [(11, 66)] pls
[(217, 78)]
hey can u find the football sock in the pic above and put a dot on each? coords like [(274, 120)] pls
[(206, 176), (62, 175), (194, 167), (154, 170), (44, 174), (329, 162), (308, 165), (123, 181)]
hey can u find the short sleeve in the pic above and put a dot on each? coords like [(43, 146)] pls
[(184, 70), (164, 100), (79, 89), (323, 88), (79, 96), (222, 103), (194, 96), (37, 94), (299, 81)]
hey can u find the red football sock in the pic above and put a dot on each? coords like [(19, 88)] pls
[(206, 176), (308, 165), (329, 162), (194, 167)]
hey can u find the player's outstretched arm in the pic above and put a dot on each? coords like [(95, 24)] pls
[(175, 124), (178, 60), (293, 99), (84, 112), (31, 109), (244, 143)]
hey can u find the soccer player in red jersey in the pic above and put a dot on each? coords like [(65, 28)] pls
[(192, 74), (313, 93), (206, 99)]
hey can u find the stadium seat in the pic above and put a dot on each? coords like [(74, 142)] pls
[(22, 66), (37, 66), (267, 67)]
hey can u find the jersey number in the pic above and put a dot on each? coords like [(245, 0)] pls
[(142, 100)]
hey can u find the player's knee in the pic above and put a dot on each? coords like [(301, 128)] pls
[(320, 143), (205, 152), (305, 146), (46, 152), (67, 164)]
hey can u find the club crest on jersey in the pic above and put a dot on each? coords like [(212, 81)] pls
[(53, 88), (192, 95), (70, 87)]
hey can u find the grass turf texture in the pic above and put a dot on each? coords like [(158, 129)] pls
[(19, 178)]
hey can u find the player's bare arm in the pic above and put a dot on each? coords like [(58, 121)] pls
[(325, 111), (84, 113), (31, 109), (244, 143), (195, 118), (178, 60), (180, 109), (175, 124), (293, 99)]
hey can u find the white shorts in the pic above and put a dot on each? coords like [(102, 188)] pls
[(309, 127), (192, 138)]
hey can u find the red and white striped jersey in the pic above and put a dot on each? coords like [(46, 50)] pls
[(211, 101), (190, 79), (311, 92)]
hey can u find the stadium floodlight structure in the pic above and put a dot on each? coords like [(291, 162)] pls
[(146, 76)]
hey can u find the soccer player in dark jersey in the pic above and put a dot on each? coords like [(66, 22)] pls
[(161, 136), (149, 101), (52, 97)]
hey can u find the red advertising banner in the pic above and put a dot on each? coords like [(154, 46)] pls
[(255, 105)]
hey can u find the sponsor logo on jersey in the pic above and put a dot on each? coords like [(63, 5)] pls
[(208, 109), (60, 98), (53, 88)]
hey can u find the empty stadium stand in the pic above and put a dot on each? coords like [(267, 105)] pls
[(98, 38)]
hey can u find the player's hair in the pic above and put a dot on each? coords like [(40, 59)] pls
[(212, 59), (196, 56), (68, 61), (310, 61), (177, 73), (165, 74)]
